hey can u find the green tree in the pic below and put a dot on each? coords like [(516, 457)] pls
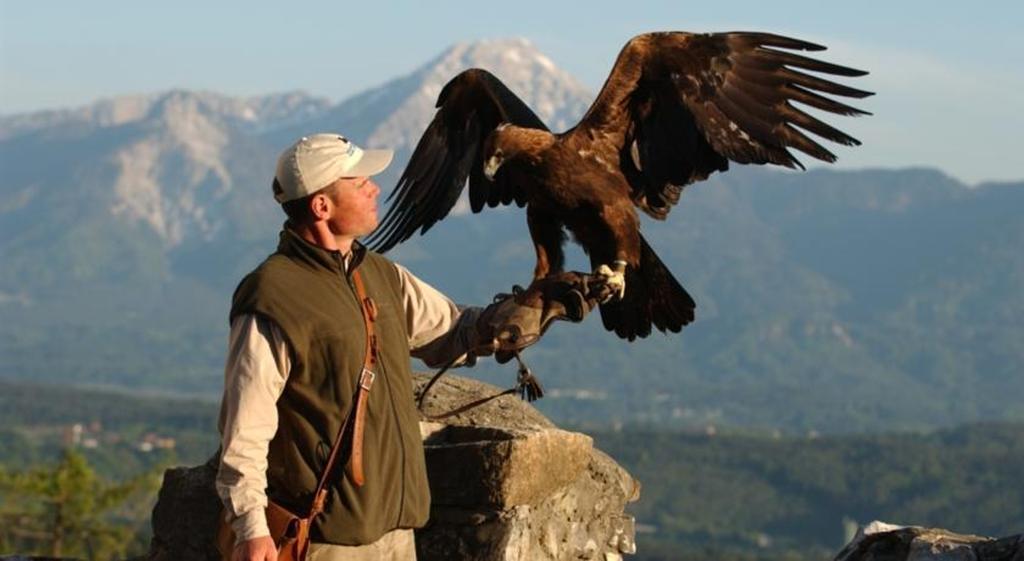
[(66, 510)]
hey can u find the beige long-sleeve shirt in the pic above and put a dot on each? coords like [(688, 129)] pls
[(255, 373)]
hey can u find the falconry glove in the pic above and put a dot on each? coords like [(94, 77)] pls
[(516, 321)]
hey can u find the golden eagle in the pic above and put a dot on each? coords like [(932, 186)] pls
[(676, 107)]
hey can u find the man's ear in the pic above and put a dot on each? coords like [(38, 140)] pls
[(319, 206)]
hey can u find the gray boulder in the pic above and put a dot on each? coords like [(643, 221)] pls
[(879, 541)]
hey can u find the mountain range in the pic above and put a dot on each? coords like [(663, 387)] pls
[(831, 301)]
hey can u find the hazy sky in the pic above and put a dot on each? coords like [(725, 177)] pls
[(949, 76)]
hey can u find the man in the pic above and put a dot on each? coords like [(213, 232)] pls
[(296, 348)]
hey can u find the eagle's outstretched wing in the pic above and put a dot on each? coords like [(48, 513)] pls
[(470, 106), (677, 106)]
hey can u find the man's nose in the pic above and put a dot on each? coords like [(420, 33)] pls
[(374, 189)]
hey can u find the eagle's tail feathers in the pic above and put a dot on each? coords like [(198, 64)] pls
[(670, 304), (653, 297)]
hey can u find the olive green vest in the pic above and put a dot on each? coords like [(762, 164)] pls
[(304, 289)]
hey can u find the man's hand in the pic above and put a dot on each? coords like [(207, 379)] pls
[(256, 549), (517, 321)]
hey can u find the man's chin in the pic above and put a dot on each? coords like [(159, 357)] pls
[(368, 230)]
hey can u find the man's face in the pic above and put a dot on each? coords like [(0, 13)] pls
[(353, 206)]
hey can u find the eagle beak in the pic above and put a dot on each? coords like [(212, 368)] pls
[(491, 167)]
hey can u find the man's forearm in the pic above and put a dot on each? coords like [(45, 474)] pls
[(439, 330), (457, 343), (254, 377)]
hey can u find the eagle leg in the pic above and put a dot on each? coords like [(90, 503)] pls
[(543, 266), (548, 237), (612, 236), (612, 280)]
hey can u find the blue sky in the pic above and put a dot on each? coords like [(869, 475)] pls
[(949, 76)]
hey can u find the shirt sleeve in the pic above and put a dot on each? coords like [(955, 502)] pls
[(255, 373), (439, 330)]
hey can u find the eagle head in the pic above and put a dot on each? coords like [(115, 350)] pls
[(494, 154), (492, 163), (509, 144)]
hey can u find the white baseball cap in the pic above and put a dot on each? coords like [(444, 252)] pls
[(316, 161)]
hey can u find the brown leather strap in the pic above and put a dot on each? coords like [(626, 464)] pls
[(355, 466), (527, 386), (321, 487), (366, 378)]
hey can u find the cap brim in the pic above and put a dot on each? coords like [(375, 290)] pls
[(372, 163)]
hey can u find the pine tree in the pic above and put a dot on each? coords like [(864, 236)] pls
[(65, 510)]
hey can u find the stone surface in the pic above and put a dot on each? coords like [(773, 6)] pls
[(583, 520), (879, 541), (553, 496), (504, 413), (185, 515), (506, 485), (469, 466)]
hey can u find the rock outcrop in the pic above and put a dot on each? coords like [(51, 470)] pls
[(506, 484), (185, 515), (879, 541)]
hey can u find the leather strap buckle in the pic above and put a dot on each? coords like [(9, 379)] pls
[(366, 379)]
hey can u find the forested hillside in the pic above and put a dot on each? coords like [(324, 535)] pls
[(736, 494)]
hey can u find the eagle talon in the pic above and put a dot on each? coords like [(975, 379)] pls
[(611, 283)]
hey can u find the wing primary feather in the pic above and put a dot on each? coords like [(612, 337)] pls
[(738, 100), (425, 196), (744, 118), (409, 206), (802, 142), (796, 93), (382, 238), (806, 122), (426, 149), (800, 61), (822, 85), (774, 40), (431, 206), (767, 79), (761, 107), (755, 151), (757, 83), (404, 208)]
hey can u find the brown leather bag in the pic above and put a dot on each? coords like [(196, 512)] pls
[(290, 531)]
